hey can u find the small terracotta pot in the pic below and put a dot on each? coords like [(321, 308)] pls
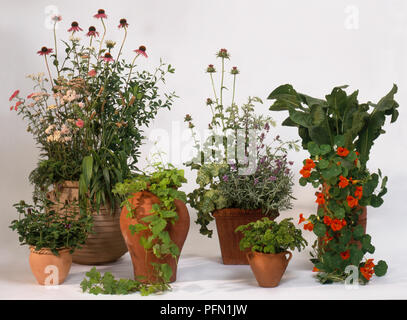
[(48, 268), (268, 268), (227, 220), (142, 203), (106, 244)]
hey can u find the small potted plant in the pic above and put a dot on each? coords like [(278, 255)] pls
[(52, 238), (339, 133), (86, 113), (243, 174), (268, 242), (154, 222)]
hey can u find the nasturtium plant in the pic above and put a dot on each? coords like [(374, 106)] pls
[(346, 187), (267, 236)]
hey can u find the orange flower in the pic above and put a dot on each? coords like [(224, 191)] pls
[(309, 164), (342, 152), (352, 202), (345, 255), (369, 264), (302, 219), (315, 269), (359, 192), (343, 183), (327, 220), (357, 153), (305, 172), (367, 270), (327, 238), (337, 224), (320, 198), (338, 163), (309, 226)]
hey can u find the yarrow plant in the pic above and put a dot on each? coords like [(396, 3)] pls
[(237, 166), (87, 115)]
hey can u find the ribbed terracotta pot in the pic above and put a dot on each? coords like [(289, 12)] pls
[(48, 268), (107, 243), (268, 268), (142, 203), (227, 220)]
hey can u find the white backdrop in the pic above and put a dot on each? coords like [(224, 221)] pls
[(314, 45)]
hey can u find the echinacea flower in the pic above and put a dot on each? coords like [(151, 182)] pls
[(92, 32), (123, 23), (75, 27), (44, 51), (56, 18), (223, 53), (141, 50), (107, 57), (15, 94), (79, 123), (210, 69), (234, 70), (101, 14)]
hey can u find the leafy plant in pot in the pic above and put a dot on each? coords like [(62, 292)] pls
[(86, 116), (52, 238), (339, 133), (155, 224), (241, 175), (268, 242)]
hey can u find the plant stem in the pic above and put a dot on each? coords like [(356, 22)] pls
[(103, 37), (90, 46), (234, 86), (56, 47), (131, 70), (214, 90), (121, 47), (49, 72)]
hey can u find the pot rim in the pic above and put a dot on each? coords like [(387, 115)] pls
[(48, 251)]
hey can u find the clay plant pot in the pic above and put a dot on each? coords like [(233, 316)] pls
[(142, 203), (48, 268), (106, 244), (227, 220), (268, 268)]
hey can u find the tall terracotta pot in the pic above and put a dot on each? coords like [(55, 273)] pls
[(227, 220), (48, 268), (268, 268), (142, 203), (106, 244)]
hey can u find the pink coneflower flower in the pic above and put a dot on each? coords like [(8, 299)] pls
[(101, 14), (123, 23), (92, 73), (107, 57), (15, 94), (92, 32), (79, 123), (56, 18), (74, 27), (44, 51), (141, 50)]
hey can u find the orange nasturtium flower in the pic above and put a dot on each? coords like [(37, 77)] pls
[(315, 269), (367, 270), (305, 173), (309, 164), (327, 220), (320, 198), (342, 152), (337, 224), (309, 226), (352, 202), (345, 255), (343, 183), (302, 219), (359, 192)]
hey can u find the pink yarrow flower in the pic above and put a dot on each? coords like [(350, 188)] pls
[(107, 57), (15, 94), (79, 123), (141, 50), (92, 32), (74, 27), (101, 14), (44, 51)]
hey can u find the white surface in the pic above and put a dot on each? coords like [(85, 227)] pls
[(305, 43), (201, 275)]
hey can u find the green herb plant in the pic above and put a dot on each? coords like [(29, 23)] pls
[(267, 236)]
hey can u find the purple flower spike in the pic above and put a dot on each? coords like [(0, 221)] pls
[(225, 178), (273, 178), (256, 181)]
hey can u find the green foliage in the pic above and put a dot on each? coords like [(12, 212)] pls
[(236, 165), (267, 236), (164, 182), (107, 284), (45, 228), (339, 114)]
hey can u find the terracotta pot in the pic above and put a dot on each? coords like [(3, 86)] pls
[(107, 243), (142, 203), (48, 268), (227, 220), (268, 268)]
